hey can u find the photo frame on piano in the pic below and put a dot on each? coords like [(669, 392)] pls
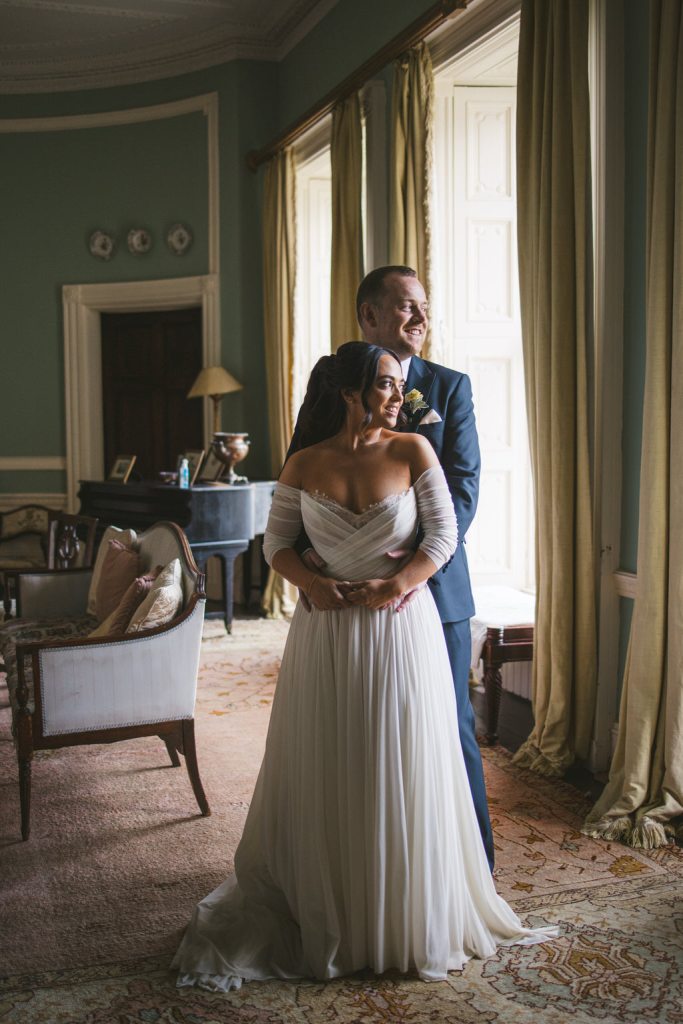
[(121, 470), (194, 458), (212, 470)]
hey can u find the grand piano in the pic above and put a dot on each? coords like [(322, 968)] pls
[(218, 519)]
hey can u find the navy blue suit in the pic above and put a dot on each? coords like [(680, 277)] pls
[(454, 439)]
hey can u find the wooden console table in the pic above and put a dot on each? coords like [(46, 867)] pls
[(502, 632), (503, 644)]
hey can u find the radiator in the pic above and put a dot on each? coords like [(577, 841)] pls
[(517, 678)]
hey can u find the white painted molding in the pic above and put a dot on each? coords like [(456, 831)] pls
[(82, 305), (309, 145), (16, 500), (213, 190), (470, 29), (625, 584), (152, 59), (110, 118), (19, 463), (206, 104)]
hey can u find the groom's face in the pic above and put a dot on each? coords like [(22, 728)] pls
[(400, 319)]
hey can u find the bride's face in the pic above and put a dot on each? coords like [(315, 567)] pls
[(385, 397)]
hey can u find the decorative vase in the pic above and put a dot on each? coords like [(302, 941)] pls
[(231, 449)]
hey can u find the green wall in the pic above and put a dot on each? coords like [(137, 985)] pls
[(56, 187), (351, 33), (64, 185), (635, 184)]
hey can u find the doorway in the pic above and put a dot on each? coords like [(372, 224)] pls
[(149, 363)]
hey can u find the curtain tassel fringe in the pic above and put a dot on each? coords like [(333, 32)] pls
[(611, 829), (529, 756), (647, 834), (526, 755)]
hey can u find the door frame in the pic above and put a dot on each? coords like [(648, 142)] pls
[(82, 305)]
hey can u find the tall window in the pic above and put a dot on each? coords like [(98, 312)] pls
[(313, 246), (477, 325)]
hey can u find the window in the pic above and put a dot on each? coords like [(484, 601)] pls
[(313, 248), (476, 324)]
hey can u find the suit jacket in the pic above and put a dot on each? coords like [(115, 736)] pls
[(454, 439), (448, 394)]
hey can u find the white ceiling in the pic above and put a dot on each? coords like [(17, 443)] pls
[(48, 45)]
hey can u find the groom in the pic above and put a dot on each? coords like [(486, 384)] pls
[(393, 312)]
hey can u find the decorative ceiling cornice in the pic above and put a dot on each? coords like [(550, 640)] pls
[(60, 45)]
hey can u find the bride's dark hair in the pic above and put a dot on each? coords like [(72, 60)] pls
[(353, 367)]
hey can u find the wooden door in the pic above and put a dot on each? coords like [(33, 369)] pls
[(149, 363)]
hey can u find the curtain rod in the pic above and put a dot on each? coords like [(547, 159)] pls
[(414, 33)]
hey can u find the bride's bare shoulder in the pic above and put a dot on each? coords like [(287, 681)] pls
[(415, 450), (299, 465)]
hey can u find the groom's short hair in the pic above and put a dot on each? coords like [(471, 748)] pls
[(371, 287)]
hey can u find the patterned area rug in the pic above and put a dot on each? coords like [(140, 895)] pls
[(93, 906)]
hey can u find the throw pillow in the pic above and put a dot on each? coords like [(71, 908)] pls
[(119, 568), (127, 537), (163, 602), (117, 622)]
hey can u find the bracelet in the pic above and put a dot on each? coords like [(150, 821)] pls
[(309, 588)]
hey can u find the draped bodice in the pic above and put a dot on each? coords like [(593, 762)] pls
[(355, 545)]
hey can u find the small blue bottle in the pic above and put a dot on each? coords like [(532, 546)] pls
[(184, 474)]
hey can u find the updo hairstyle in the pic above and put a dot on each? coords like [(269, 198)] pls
[(353, 368)]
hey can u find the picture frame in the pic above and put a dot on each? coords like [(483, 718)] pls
[(121, 470), (195, 457), (213, 468)]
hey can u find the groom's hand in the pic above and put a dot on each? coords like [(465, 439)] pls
[(315, 563), (402, 556), (376, 594)]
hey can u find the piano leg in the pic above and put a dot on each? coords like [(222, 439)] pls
[(227, 553)]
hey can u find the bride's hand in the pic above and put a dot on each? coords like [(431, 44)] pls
[(327, 595), (375, 594)]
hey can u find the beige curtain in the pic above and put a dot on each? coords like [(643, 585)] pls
[(278, 324), (644, 794), (412, 113), (553, 204), (347, 219)]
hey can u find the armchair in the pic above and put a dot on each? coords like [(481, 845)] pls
[(23, 543), (54, 540), (85, 689)]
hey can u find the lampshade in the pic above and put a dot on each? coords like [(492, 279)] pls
[(213, 380)]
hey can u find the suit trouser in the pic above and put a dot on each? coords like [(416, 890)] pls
[(459, 644)]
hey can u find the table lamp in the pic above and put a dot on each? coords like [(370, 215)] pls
[(214, 382)]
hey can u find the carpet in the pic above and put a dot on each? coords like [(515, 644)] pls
[(93, 906)]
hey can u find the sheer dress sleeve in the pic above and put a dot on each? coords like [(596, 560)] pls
[(284, 521), (437, 516)]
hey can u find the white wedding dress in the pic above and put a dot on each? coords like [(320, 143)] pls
[(361, 847)]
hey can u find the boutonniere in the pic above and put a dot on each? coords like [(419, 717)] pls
[(413, 402)]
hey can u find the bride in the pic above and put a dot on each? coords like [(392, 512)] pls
[(361, 847)]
